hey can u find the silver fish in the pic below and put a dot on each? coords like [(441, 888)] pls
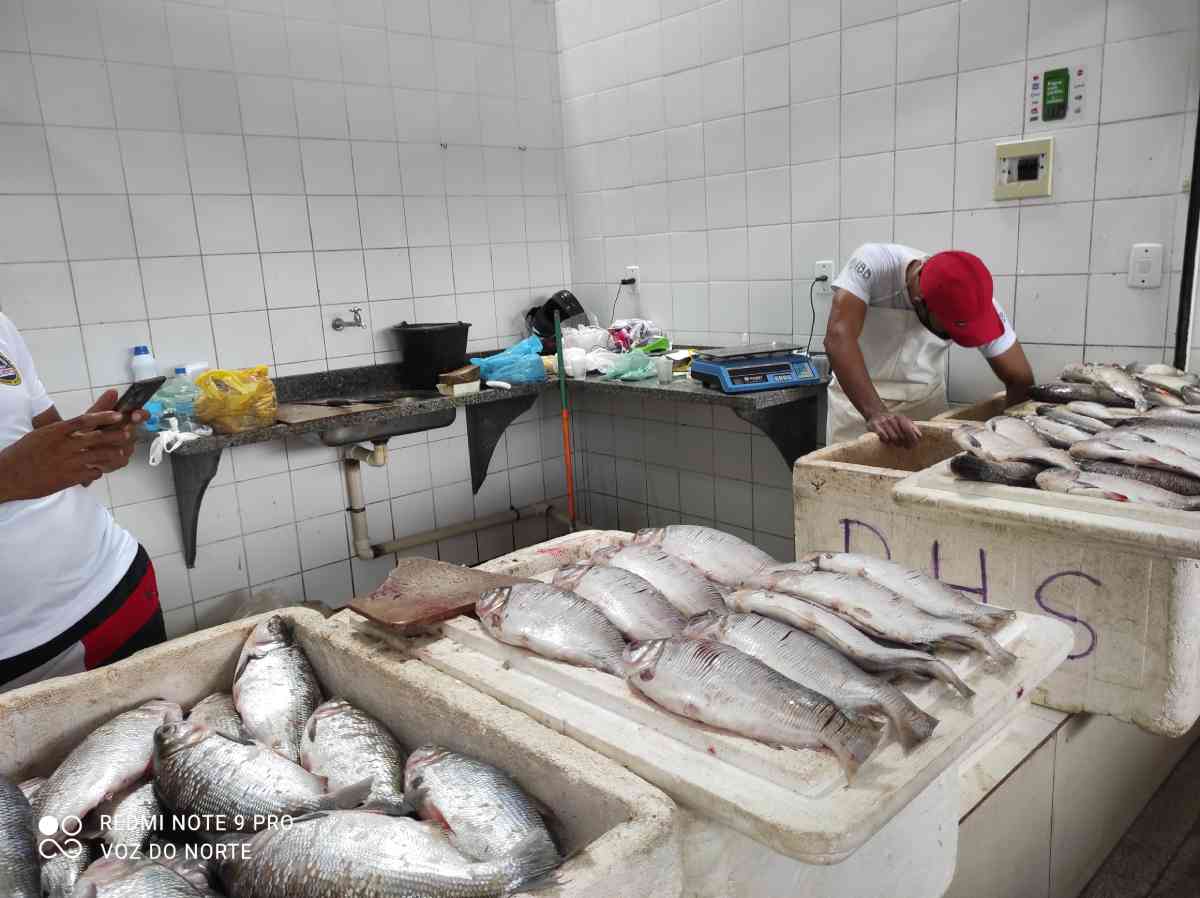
[(1119, 489), (1190, 395), (1172, 383), (832, 630), (815, 665), (683, 585), (1181, 416), (1157, 397), (1100, 412), (367, 855), (1062, 393), (275, 689), (1136, 368), (991, 446), (720, 556), (552, 623), (877, 611), (1009, 473), (31, 786), (112, 877), (1167, 480), (112, 758), (1185, 439), (20, 876), (487, 815), (198, 771), (344, 745), (1085, 423), (926, 593), (127, 820), (633, 605), (1110, 376), (218, 713), (1134, 450), (61, 873), (724, 688), (1057, 433), (1016, 429)]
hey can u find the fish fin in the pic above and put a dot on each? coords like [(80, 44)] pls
[(347, 797), (390, 807), (992, 617), (983, 643), (936, 669), (911, 725), (532, 864), (309, 817)]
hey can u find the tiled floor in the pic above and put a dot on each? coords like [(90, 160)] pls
[(1160, 855)]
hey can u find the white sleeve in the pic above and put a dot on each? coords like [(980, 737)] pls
[(38, 397), (859, 275), (1005, 341)]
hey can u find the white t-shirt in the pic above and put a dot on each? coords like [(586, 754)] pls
[(59, 555), (875, 274)]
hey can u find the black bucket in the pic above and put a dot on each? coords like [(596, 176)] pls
[(428, 350)]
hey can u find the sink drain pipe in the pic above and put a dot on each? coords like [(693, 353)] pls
[(356, 456)]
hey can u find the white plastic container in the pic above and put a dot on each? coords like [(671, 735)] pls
[(622, 828), (1125, 578), (143, 364), (762, 823)]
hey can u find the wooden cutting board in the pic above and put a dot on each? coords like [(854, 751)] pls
[(420, 592), (299, 413)]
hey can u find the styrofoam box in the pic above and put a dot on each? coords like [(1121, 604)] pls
[(760, 821), (1124, 577), (622, 827)]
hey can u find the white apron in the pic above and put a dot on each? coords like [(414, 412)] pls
[(907, 365)]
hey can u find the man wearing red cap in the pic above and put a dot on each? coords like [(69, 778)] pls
[(895, 312)]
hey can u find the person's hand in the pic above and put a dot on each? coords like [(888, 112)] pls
[(63, 454), (895, 430), (125, 425)]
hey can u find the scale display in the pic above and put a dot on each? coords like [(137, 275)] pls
[(747, 369)]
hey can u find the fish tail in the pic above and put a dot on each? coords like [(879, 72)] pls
[(990, 617), (912, 725), (531, 866), (854, 742), (984, 643), (936, 669), (347, 797)]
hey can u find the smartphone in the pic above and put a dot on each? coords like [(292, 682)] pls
[(138, 394)]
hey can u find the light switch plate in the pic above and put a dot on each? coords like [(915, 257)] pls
[(1024, 169), (1146, 266)]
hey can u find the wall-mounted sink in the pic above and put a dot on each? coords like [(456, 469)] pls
[(403, 413)]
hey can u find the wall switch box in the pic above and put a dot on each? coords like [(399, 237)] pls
[(1024, 169), (1146, 266), (823, 269)]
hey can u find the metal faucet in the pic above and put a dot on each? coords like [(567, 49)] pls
[(340, 324)]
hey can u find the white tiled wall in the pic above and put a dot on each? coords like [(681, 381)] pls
[(724, 147), (221, 178)]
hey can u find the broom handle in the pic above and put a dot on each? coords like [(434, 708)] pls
[(568, 458)]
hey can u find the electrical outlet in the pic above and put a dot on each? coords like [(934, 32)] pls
[(825, 269), (633, 271)]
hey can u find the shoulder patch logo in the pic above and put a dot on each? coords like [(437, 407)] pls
[(10, 376), (861, 268)]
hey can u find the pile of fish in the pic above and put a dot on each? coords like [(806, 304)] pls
[(1124, 434), (280, 794), (714, 629)]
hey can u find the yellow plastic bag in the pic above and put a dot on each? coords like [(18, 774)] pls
[(234, 401)]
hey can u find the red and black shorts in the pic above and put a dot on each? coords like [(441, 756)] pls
[(128, 619)]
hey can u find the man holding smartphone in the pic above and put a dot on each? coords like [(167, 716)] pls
[(77, 590)]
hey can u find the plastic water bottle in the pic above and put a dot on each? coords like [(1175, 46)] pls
[(178, 397), (143, 364)]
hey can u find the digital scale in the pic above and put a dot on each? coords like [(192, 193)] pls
[(748, 369)]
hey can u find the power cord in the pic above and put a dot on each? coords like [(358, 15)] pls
[(812, 305), (624, 282)]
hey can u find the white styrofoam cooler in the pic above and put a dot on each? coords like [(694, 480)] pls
[(758, 821), (1124, 577), (623, 829)]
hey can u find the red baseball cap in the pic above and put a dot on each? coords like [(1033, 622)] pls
[(957, 288)]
